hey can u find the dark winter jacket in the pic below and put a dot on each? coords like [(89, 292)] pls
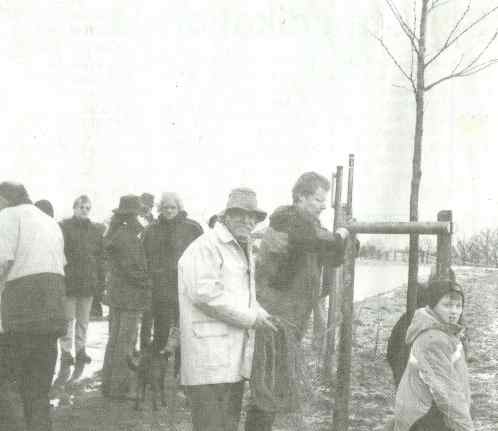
[(83, 246), (164, 243), (129, 282), (288, 267)]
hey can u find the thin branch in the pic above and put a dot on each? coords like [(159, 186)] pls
[(478, 67), (478, 56), (414, 30), (412, 37), (452, 39), (389, 53), (437, 3), (402, 87), (461, 74), (458, 64)]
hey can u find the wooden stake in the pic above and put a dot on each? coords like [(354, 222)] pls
[(343, 386), (328, 364)]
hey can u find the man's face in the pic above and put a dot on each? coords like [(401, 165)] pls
[(82, 209), (168, 209), (449, 308), (240, 223), (315, 203)]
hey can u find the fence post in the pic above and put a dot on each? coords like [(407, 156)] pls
[(443, 262), (343, 385), (328, 365)]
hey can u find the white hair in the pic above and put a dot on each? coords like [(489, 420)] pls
[(171, 196)]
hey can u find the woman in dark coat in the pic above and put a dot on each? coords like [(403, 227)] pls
[(128, 295), (164, 243)]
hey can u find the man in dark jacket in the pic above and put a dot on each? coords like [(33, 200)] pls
[(293, 251), (84, 277), (164, 243)]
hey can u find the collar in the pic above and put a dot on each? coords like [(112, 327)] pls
[(223, 234)]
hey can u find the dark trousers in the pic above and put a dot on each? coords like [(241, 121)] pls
[(145, 329), (259, 420), (216, 407), (432, 421), (165, 314), (34, 364)]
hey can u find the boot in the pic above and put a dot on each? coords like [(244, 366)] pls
[(65, 370), (81, 360)]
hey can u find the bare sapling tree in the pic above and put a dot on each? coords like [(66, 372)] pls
[(416, 74)]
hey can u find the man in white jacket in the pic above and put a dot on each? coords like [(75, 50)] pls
[(218, 314)]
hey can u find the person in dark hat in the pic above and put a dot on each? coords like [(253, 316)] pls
[(32, 303), (218, 314), (83, 246), (128, 295), (293, 251), (434, 392), (45, 206)]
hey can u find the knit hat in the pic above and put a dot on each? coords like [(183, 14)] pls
[(439, 288)]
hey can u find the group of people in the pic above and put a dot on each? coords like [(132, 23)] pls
[(241, 318)]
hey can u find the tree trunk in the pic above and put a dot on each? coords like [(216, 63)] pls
[(411, 300)]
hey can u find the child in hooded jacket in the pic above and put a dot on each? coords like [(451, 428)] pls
[(434, 392)]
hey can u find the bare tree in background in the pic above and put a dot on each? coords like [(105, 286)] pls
[(415, 74)]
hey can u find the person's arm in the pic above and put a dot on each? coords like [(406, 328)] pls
[(101, 264), (200, 277), (435, 362), (9, 226)]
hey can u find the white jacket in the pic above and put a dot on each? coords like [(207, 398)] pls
[(218, 309)]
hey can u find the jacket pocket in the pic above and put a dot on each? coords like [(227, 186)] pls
[(209, 328)]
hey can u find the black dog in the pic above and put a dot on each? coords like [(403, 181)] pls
[(150, 367)]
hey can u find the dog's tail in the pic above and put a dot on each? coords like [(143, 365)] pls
[(132, 365)]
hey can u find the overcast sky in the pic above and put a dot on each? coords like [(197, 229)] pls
[(115, 97)]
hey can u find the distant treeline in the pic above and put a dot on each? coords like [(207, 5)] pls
[(480, 249)]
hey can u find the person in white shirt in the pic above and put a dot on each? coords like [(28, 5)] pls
[(32, 259)]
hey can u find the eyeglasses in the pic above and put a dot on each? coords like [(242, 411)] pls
[(85, 207)]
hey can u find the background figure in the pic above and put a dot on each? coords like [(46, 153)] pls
[(164, 243), (146, 218), (128, 295), (45, 206), (32, 261), (84, 277)]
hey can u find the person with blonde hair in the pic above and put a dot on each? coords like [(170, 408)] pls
[(164, 243)]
